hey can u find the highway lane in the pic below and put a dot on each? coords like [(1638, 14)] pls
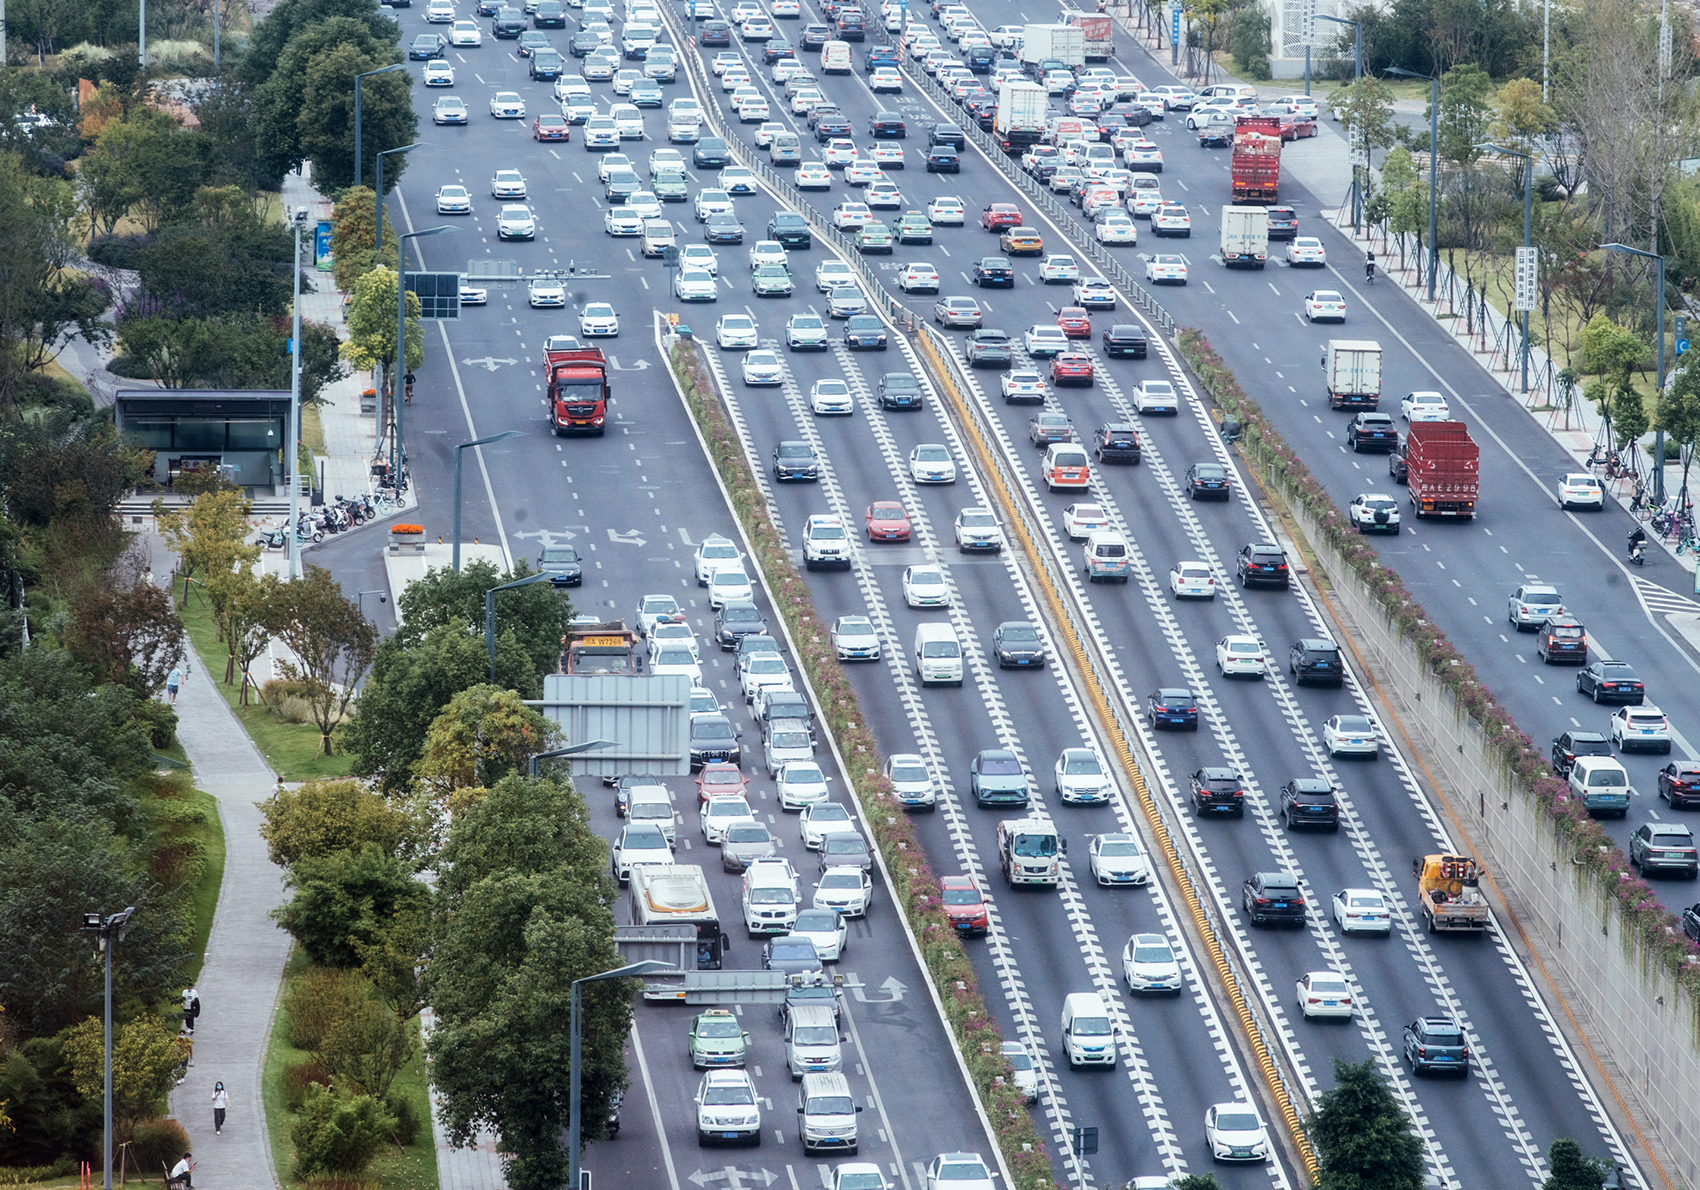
[(572, 246)]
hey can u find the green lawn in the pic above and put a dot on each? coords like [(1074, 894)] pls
[(211, 836), (292, 749)]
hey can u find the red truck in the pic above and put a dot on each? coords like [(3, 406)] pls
[(1099, 31), (1257, 159), (576, 380), (1442, 466)]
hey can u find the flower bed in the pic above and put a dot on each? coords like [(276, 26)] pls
[(1657, 933), (914, 884)]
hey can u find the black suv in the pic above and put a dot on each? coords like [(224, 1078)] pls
[(1396, 464), (1218, 791), (736, 620), (1562, 638), (1372, 431), (899, 390), (1283, 223), (1306, 801), (1263, 564), (1316, 661), (1017, 642), (887, 124), (1567, 747), (990, 271), (1612, 681), (1207, 480), (948, 134), (775, 49), (1124, 341), (1116, 442), (795, 459), (549, 14), (1436, 1043), (714, 738), (790, 229), (561, 563), (1273, 896), (1691, 922)]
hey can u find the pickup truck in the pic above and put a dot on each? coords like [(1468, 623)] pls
[(1449, 892)]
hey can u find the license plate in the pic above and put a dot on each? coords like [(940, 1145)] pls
[(1279, 905), (730, 1135), (1331, 1003)]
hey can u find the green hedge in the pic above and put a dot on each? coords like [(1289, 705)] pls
[(916, 887), (1655, 931)]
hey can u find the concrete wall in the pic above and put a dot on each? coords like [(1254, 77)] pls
[(1626, 1019)]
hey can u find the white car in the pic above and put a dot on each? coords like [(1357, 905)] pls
[(439, 73), (1424, 406), (639, 843), (644, 204), (1361, 910), (812, 175), (847, 216), (850, 891), (507, 183), (924, 586), (622, 222), (821, 818), (1325, 305), (1324, 993), (439, 12), (1306, 250), (1374, 512), (1080, 521), (930, 462), (882, 193), (831, 398), (760, 671), (466, 33), (715, 553), (735, 331), (1233, 1131), (1642, 728), (918, 278), (674, 632), (507, 105), (833, 274), (718, 813), (727, 1108), (1241, 655), (1145, 154), (886, 80), (768, 252), (1094, 293), (700, 256), (862, 172), (1171, 219), (598, 321), (1165, 268), (947, 211), (827, 929), (977, 530), (514, 222), (695, 285), (911, 781), (1023, 384), (712, 202), (1579, 489), (473, 295), (611, 164), (454, 200), (855, 639), (1044, 340), (729, 584), (1149, 965), (1350, 735), (1532, 604), (1116, 227), (1058, 266), (543, 292), (959, 1171), (1024, 1073), (887, 154), (801, 784), (676, 659), (1156, 396), (840, 152), (657, 609), (1192, 580), (763, 367), (1145, 199), (1081, 779), (1119, 861)]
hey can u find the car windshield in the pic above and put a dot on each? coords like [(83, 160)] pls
[(738, 615), (999, 766), (826, 1035), (1237, 1122), (1566, 632), (1035, 846), (800, 949), (720, 730), (719, 1027), (722, 1095), (1542, 597), (1153, 954), (675, 657), (1175, 698), (844, 843), (1119, 847), (1607, 779), (1364, 901), (766, 665), (753, 833), (771, 896), (961, 896), (1444, 1035), (645, 841), (962, 1172), (1091, 1026), (723, 777), (1083, 765)]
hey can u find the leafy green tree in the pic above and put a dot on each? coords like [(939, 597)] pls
[(1466, 111), (1629, 421), (220, 259), (145, 1057), (129, 634), (1362, 1135), (354, 232), (483, 735), (285, 121), (337, 1133), (1678, 415), (323, 818), (210, 536), (1249, 41), (228, 112), (325, 122), (1570, 1169), (289, 17), (1522, 119), (371, 323), (524, 907), (232, 351), (343, 897), (331, 643), (63, 477), (366, 1047), (146, 164), (1198, 1181), (1366, 107), (537, 615)]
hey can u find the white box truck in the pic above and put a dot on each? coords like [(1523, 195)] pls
[(1245, 237), (1352, 370), (1020, 119), (1053, 43)]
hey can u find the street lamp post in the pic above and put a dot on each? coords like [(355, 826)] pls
[(490, 612), (292, 447), (359, 177), (1659, 357), (398, 456), (646, 967), (109, 932), (1528, 220), (360, 599), (1433, 167), (458, 456), (1358, 73), (378, 200)]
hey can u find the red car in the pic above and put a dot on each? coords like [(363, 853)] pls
[(1679, 783), (550, 128), (720, 779), (1076, 323), (1071, 368), (964, 904), (1000, 215), (887, 521), (1294, 126)]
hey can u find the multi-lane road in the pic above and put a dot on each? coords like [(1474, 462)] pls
[(639, 498)]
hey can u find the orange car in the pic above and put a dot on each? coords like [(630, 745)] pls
[(720, 779), (1071, 367), (1022, 241), (1076, 323)]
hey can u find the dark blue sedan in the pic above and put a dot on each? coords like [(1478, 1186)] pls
[(1172, 707)]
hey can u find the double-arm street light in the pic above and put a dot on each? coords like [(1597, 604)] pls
[(1659, 357), (397, 401), (1433, 165), (108, 932), (1358, 73), (458, 456), (646, 967), (359, 177), (490, 612), (1528, 220)]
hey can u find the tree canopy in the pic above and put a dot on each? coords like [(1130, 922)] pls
[(1363, 1137)]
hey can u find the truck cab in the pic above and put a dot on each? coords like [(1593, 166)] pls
[(577, 389), (1030, 851)]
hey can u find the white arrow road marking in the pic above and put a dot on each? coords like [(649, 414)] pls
[(628, 538), (488, 363)]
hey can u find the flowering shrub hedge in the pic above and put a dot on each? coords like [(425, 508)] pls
[(1645, 923), (915, 887)]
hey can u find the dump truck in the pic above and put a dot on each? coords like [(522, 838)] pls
[(1030, 851), (1245, 237), (1256, 165), (1099, 31), (575, 379), (1448, 894), (1351, 371), (608, 647), (1020, 118), (1053, 43), (1442, 469)]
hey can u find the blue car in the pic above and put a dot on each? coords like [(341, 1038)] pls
[(1172, 707), (943, 159), (997, 779)]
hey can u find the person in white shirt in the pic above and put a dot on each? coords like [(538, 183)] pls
[(221, 1101), (181, 1171)]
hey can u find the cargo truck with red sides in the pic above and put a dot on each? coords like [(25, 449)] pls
[(1442, 465), (1099, 31), (576, 381), (1256, 166)]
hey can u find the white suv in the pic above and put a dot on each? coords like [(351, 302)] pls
[(825, 542), (727, 1108)]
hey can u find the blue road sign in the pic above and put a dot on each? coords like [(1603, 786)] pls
[(1175, 26), (1681, 346)]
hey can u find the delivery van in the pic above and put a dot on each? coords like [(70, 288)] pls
[(1107, 556), (826, 1114), (938, 655), (1088, 1037), (811, 1041)]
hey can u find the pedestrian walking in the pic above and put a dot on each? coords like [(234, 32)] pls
[(173, 680), (221, 1101), (191, 1008), (186, 1047)]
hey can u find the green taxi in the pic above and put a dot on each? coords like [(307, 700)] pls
[(913, 228), (717, 1040), (873, 237), (772, 280)]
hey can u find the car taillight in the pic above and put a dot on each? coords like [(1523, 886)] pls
[(1299, 901), (1263, 900)]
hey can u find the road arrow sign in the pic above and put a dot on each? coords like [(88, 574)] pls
[(891, 987), (614, 362), (488, 363), (735, 1179), (628, 538)]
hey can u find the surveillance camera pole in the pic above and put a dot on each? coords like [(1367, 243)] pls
[(292, 446)]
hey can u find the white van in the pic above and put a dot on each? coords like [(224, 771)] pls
[(1229, 91), (770, 899), (1107, 556), (811, 1041), (650, 803), (938, 654), (1088, 1037), (826, 1114), (835, 58), (1603, 785)]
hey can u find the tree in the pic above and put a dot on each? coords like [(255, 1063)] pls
[(523, 908), (288, 119), (1198, 1181), (1522, 119), (145, 1058), (345, 897), (289, 17), (354, 230), (246, 610), (1629, 421), (1366, 107), (228, 114), (366, 1047), (1466, 107), (483, 735), (1570, 1169), (323, 818), (147, 163), (1678, 415), (371, 323), (1208, 14), (129, 634), (63, 477), (337, 1133), (1362, 1135), (325, 122), (237, 350), (1249, 41), (537, 615), (210, 536), (332, 643), (221, 259)]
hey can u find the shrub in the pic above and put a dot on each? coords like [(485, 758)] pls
[(117, 252), (157, 1142), (287, 700), (298, 1076), (407, 1123), (159, 720), (337, 1133), (317, 1000)]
